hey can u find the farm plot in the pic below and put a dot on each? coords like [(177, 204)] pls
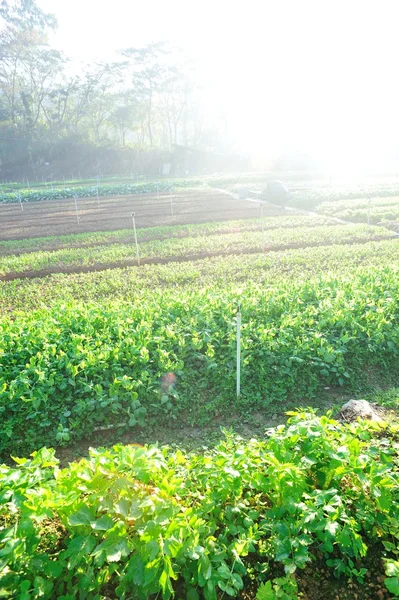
[(69, 368), (162, 523), (175, 249), (376, 209), (312, 197), (302, 264), (81, 240), (53, 218), (126, 350)]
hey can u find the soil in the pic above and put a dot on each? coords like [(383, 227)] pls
[(169, 259), (318, 582), (45, 218)]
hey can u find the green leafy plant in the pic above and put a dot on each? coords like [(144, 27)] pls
[(142, 521)]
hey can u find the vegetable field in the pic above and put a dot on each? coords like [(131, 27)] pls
[(71, 369), (92, 342), (176, 248), (249, 516)]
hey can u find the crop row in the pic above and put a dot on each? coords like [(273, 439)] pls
[(304, 198), (140, 522), (120, 187), (68, 369), (378, 209), (9, 192), (182, 247), (162, 232), (222, 271), (312, 197), (36, 185), (376, 214), (91, 191)]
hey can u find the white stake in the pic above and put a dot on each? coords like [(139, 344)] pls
[(76, 209), (20, 201), (171, 202), (239, 350), (135, 237)]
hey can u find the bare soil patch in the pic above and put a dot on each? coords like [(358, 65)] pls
[(45, 218)]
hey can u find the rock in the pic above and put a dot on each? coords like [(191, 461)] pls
[(359, 408)]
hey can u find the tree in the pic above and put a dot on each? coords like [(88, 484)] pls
[(25, 14), (149, 71), (27, 72)]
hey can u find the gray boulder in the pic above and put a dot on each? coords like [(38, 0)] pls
[(359, 408)]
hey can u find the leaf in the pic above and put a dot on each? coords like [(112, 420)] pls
[(25, 585), (123, 507), (210, 591), (80, 547), (54, 569), (224, 571), (332, 527), (265, 592), (165, 584), (84, 516), (238, 582), (192, 594), (392, 585), (392, 568), (103, 524), (112, 549)]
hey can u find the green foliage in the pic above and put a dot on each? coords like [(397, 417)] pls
[(378, 209), (68, 370), (392, 581), (284, 588), (308, 198), (265, 269), (133, 522), (179, 247), (313, 197), (161, 232), (90, 191)]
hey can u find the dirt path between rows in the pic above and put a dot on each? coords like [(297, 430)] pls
[(177, 259)]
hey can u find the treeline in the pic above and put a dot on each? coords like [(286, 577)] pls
[(146, 100)]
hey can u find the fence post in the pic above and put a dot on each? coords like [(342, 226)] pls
[(135, 237), (76, 209), (239, 350)]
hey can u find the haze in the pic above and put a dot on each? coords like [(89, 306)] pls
[(308, 76)]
